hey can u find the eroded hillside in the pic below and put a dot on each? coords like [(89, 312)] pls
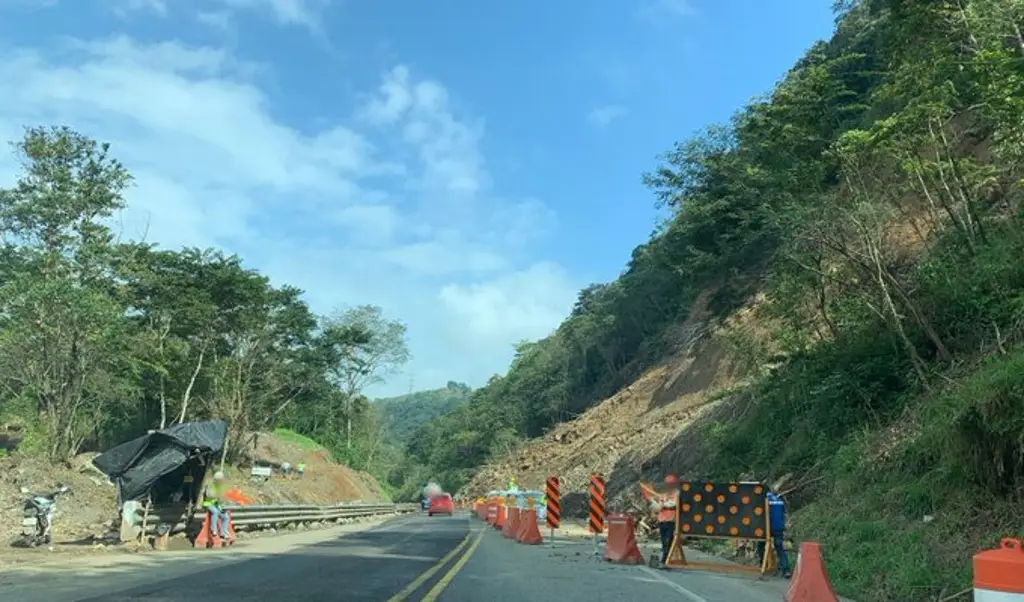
[(637, 433)]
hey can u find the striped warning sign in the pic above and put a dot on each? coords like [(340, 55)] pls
[(597, 506), (554, 504)]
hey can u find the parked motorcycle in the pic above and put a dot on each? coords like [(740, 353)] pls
[(37, 517)]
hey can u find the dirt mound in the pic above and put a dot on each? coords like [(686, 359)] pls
[(626, 436), (324, 481), (87, 511), (92, 507)]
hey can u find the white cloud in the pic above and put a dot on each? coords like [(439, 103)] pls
[(602, 116), (218, 13), (393, 205), (527, 304)]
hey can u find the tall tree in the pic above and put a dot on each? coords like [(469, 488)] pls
[(61, 329), (362, 347)]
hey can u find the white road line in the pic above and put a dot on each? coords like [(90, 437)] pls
[(679, 588)]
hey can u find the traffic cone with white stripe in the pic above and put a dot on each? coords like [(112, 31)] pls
[(999, 573)]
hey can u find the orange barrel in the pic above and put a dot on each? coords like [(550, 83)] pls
[(999, 573)]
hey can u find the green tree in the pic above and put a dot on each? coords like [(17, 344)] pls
[(362, 347), (62, 330)]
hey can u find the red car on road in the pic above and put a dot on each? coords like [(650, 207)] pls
[(441, 504)]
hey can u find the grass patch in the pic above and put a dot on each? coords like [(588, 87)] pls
[(904, 524), (290, 436)]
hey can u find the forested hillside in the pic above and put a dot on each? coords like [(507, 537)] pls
[(403, 415), (101, 340), (866, 215)]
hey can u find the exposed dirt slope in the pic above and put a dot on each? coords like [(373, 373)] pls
[(324, 482), (88, 511), (629, 436), (92, 507)]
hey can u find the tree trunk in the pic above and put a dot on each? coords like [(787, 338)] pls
[(191, 384), (348, 427), (163, 404)]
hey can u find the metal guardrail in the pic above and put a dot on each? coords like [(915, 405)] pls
[(249, 517)]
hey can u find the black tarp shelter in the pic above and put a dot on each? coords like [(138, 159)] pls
[(134, 466)]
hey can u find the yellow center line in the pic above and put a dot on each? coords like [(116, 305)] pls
[(452, 572), (427, 574)]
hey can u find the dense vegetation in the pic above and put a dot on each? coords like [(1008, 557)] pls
[(403, 415), (101, 340), (871, 203)]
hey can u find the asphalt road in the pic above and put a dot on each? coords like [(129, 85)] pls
[(411, 559)]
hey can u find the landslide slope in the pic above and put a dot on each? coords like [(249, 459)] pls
[(633, 435)]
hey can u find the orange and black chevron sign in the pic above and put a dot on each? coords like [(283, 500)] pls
[(597, 507), (554, 503)]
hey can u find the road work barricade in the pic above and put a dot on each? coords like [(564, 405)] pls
[(528, 531), (511, 526), (621, 545), (500, 516), (721, 511)]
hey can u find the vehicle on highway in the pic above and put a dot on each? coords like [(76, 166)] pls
[(37, 523), (441, 504)]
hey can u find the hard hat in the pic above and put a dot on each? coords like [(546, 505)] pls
[(218, 475)]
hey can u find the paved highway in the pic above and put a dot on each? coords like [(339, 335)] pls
[(411, 559)]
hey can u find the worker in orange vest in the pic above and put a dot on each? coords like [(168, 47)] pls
[(664, 505)]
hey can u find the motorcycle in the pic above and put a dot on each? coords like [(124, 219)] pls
[(37, 517)]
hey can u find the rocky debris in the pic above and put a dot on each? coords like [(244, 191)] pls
[(632, 436), (624, 433)]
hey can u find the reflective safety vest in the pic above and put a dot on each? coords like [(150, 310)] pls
[(211, 496), (667, 507)]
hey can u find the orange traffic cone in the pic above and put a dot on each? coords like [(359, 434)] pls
[(810, 579), (499, 522), (999, 573), (210, 538)]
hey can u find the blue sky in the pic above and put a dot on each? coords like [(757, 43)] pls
[(466, 166)]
